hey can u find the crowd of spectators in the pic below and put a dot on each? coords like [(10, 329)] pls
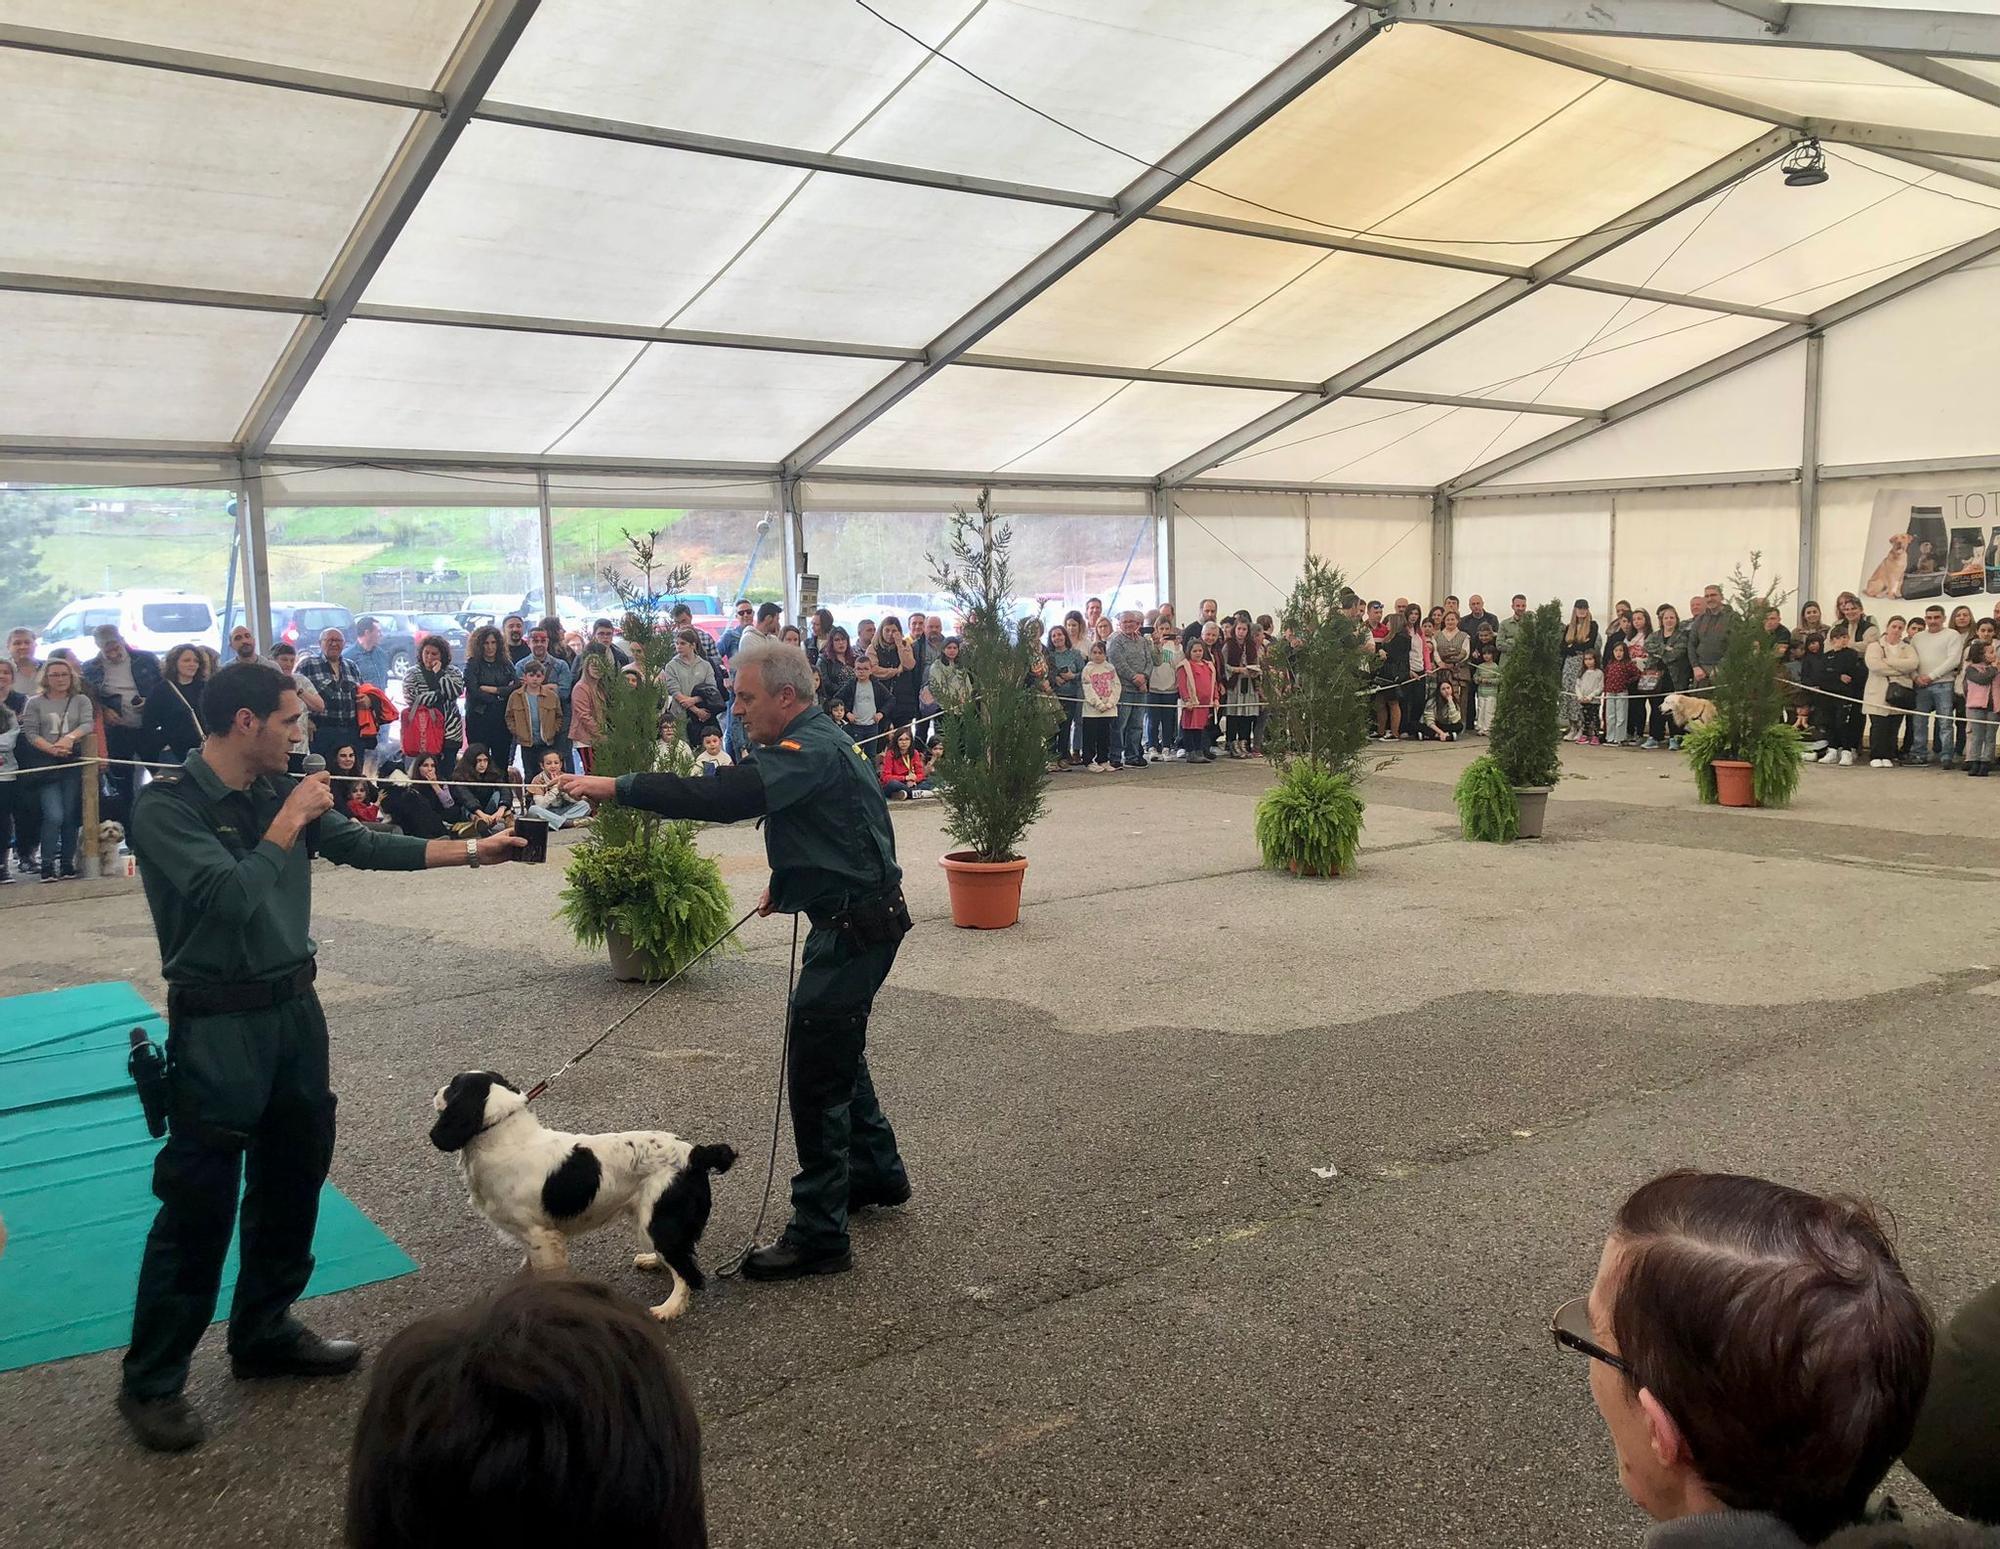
[(1132, 688)]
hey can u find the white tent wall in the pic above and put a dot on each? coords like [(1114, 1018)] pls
[(1380, 543), (1245, 549), (1666, 545), (1544, 545)]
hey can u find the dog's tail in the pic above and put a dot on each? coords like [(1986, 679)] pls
[(712, 1159)]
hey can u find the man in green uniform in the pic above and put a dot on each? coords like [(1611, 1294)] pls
[(833, 858), (222, 850)]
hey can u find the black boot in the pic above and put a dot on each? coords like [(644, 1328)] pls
[(162, 1424), (885, 1196), (786, 1260), (305, 1354)]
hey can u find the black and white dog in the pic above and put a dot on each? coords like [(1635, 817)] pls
[(542, 1187)]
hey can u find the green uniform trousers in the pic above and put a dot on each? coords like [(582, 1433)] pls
[(1956, 1450), (251, 1109), (844, 1142)]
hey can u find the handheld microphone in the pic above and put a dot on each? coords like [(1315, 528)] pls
[(313, 764)]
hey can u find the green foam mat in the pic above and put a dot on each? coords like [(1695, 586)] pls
[(76, 1181)]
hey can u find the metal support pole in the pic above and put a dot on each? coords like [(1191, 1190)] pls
[(547, 546), (256, 554), (1163, 544), (1809, 470), (794, 533), (1440, 545)]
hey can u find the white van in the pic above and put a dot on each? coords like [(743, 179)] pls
[(149, 621)]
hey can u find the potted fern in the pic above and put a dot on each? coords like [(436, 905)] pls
[(1309, 822), (1746, 755), (992, 776), (637, 885), (1504, 793)]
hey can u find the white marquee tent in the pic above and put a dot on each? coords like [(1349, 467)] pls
[(1463, 293)]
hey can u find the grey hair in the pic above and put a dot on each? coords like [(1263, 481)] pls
[(778, 665)]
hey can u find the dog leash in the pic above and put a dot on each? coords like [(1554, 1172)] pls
[(578, 1058), (729, 1270)]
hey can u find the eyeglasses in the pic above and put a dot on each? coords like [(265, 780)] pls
[(1571, 1329)]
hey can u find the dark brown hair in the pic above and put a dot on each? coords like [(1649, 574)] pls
[(551, 1413), (1779, 1331)]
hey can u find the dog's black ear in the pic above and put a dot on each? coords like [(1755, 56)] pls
[(712, 1159), (464, 1110)]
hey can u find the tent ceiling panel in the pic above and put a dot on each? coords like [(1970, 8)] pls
[(451, 389), (134, 174), (551, 225), (854, 258), (1576, 347), (91, 368), (1021, 422), (1442, 141), (680, 402), (1804, 248), (405, 41), (1187, 299), (1809, 82), (1140, 75), (1354, 441)]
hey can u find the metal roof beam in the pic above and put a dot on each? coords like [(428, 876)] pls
[(169, 295), (494, 31), (1745, 355), (1262, 102), (180, 61), (1852, 28), (1587, 249)]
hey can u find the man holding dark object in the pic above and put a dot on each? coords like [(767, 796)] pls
[(337, 722), (221, 844), (121, 680), (833, 858)]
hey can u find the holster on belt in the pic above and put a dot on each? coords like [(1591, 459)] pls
[(873, 920), (216, 1000)]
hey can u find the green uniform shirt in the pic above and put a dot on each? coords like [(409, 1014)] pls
[(828, 833), (228, 905)]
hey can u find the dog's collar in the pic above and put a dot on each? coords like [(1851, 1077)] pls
[(496, 1123)]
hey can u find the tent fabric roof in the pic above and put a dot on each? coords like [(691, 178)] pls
[(1293, 241)]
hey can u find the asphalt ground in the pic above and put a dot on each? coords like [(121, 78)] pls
[(1241, 1201)]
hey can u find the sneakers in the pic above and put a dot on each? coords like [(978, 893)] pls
[(1828, 757), (1847, 758), (1881, 763), (1650, 742), (1100, 767), (162, 1424)]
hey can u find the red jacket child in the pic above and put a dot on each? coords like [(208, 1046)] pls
[(894, 768), (1619, 676)]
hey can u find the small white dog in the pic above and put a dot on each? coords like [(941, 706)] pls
[(541, 1187)]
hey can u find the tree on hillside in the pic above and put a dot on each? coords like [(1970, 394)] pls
[(27, 595)]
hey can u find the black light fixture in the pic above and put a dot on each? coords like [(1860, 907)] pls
[(1805, 166)]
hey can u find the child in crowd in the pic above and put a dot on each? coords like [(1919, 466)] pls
[(867, 703), (1980, 672), (1590, 701), (1199, 699), (1100, 706), (534, 715), (1447, 717), (1619, 678), (837, 710), (905, 776), (1807, 670), (712, 755), (545, 797), (1842, 674), (1163, 721), (586, 708), (1485, 685), (364, 802)]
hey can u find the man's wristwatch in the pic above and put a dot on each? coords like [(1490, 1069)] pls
[(472, 853)]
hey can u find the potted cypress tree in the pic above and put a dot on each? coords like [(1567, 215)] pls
[(992, 775), (1504, 793), (1747, 756), (637, 884), (1309, 823)]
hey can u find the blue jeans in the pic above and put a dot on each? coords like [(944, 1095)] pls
[(1132, 727), (1979, 736), (1933, 699), (62, 816), (1163, 719)]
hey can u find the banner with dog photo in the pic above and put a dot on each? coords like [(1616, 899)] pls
[(1928, 545)]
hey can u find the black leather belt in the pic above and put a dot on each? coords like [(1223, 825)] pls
[(213, 1000)]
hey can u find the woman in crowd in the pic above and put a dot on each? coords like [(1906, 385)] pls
[(56, 726), (23, 819), (586, 708), (950, 684), (895, 672), (1198, 704), (489, 679), (1891, 691), (1810, 621), (836, 665), (1667, 650), (904, 774), (10, 766), (434, 684), (173, 714), (1848, 610), (1391, 674), (1417, 688), (1454, 657), (1243, 688), (346, 766), (483, 784), (1163, 717), (1580, 635), (694, 698), (1065, 682), (428, 808), (559, 639)]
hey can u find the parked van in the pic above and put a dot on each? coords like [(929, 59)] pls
[(149, 621)]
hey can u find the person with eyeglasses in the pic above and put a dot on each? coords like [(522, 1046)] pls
[(1757, 1354)]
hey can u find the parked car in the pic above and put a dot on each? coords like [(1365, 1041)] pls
[(403, 632), (300, 623), (149, 620)]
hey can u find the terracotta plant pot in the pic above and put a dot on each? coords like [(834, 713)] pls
[(985, 895), (1732, 782), (627, 965), (1534, 800), (1299, 873)]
